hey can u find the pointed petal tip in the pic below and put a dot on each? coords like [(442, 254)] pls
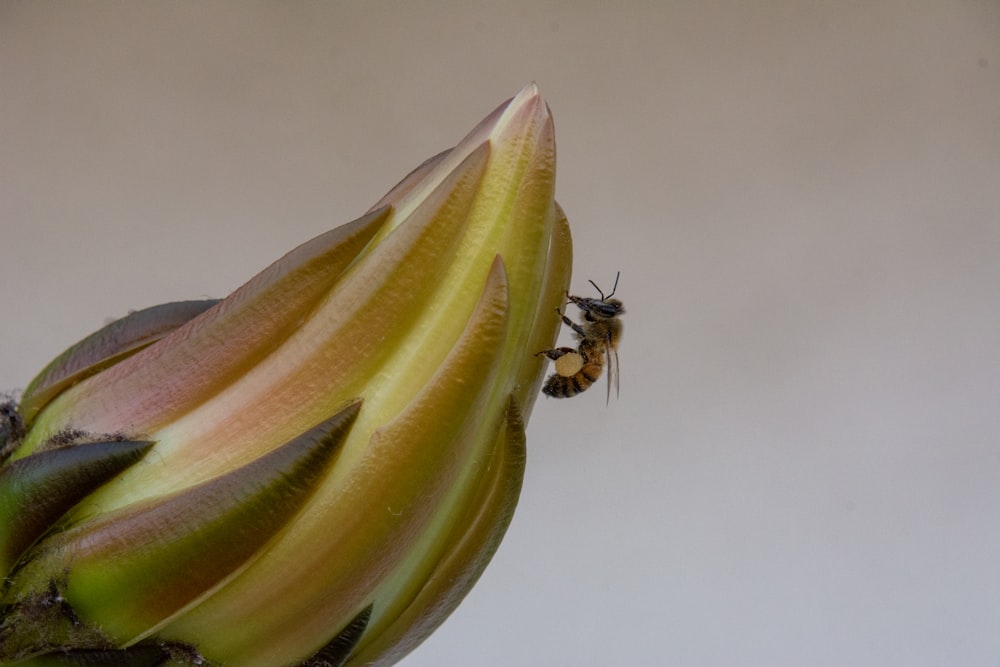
[(527, 112), (36, 490), (529, 92), (530, 97)]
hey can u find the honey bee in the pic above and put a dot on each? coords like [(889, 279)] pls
[(598, 333)]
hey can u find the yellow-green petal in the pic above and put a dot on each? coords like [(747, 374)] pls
[(475, 538), (356, 532)]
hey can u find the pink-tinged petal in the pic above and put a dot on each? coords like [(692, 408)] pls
[(106, 347), (198, 360)]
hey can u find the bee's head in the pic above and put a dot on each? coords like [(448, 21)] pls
[(599, 308), (604, 308), (608, 308), (617, 305)]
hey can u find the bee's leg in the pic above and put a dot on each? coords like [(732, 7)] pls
[(568, 361), (555, 353), (571, 324)]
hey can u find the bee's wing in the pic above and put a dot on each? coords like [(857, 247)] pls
[(612, 356)]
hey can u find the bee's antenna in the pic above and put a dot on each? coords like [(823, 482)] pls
[(605, 298), (613, 289)]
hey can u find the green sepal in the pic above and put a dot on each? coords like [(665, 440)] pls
[(149, 655), (125, 573), (12, 429), (38, 489)]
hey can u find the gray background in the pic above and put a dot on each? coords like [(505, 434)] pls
[(803, 199)]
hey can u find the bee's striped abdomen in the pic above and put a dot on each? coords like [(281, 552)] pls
[(565, 386)]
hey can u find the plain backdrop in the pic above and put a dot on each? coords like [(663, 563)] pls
[(803, 199)]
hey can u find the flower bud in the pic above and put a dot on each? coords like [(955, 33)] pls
[(314, 470)]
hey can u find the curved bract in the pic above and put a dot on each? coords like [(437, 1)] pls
[(314, 470)]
